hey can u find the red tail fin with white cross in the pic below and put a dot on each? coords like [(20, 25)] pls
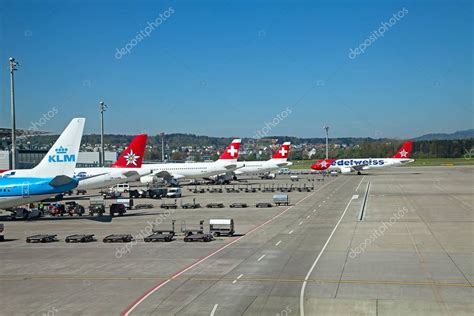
[(283, 151), (232, 151)]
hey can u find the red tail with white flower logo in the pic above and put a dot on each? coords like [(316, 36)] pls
[(404, 152), (232, 151), (132, 157), (283, 151)]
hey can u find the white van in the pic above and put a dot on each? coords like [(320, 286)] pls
[(173, 192), (121, 187)]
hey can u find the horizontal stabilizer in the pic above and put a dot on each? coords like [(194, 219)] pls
[(60, 181)]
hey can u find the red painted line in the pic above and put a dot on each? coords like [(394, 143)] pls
[(141, 298)]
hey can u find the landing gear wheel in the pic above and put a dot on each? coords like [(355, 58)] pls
[(359, 173)]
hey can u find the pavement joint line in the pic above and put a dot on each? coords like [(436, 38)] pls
[(214, 310), (303, 287), (279, 242), (241, 279), (130, 307), (261, 257)]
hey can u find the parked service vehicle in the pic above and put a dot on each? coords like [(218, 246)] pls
[(75, 208), (219, 227), (281, 199), (117, 208), (2, 232), (23, 213), (128, 203), (97, 206), (284, 171), (268, 176), (174, 193), (121, 187)]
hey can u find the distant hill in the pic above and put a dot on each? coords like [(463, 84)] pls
[(466, 134)]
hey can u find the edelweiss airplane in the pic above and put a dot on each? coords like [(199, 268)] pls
[(278, 161), (226, 162), (53, 175), (126, 168), (357, 165)]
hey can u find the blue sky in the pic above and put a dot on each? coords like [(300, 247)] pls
[(224, 68)]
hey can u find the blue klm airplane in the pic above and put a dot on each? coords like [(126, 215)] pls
[(53, 175)]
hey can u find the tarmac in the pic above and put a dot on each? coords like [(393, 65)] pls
[(398, 241)]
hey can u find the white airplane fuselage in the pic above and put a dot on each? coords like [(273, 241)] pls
[(191, 169), (260, 166), (97, 178), (347, 165)]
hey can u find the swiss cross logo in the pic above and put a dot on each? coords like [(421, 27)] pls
[(323, 164), (232, 151), (283, 151)]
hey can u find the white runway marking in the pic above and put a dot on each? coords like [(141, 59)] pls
[(290, 232), (263, 256), (214, 310), (357, 189), (303, 287), (308, 216), (279, 242), (235, 281), (301, 223)]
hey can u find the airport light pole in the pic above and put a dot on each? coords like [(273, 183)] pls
[(327, 141), (13, 67), (102, 108), (162, 146)]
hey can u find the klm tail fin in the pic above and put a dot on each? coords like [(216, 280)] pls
[(62, 157)]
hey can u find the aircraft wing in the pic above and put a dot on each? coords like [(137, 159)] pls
[(359, 167)]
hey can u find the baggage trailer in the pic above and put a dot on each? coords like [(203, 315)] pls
[(167, 206), (162, 235), (118, 238), (238, 205), (215, 205), (221, 227), (41, 238), (196, 235), (281, 199), (191, 205), (80, 238)]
